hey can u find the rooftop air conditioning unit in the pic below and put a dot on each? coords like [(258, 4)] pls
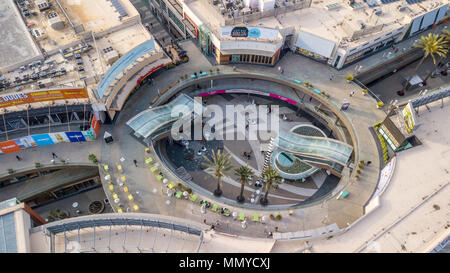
[(401, 7), (378, 11)]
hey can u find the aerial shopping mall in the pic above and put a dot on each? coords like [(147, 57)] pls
[(201, 126)]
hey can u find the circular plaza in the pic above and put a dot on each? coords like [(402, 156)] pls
[(311, 152)]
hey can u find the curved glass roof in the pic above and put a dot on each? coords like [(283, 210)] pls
[(322, 147), (122, 64), (148, 121)]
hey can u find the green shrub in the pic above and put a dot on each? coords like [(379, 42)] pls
[(93, 158), (279, 217), (53, 214), (350, 77), (37, 165), (10, 171)]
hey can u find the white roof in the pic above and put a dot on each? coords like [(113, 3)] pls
[(315, 44)]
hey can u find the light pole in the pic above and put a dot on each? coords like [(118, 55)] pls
[(4, 123)]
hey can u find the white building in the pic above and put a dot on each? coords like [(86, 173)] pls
[(336, 32)]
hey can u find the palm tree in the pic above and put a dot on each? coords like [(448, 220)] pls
[(271, 179), (445, 34), (243, 173), (220, 163), (431, 45)]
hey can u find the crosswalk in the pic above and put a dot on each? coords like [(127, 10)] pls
[(149, 19)]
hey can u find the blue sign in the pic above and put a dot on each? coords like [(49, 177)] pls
[(42, 140), (254, 33), (75, 136)]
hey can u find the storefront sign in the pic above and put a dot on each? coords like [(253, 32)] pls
[(239, 32), (25, 142), (75, 136), (9, 147), (43, 139), (41, 96), (250, 32), (409, 117), (95, 124), (245, 91), (59, 137)]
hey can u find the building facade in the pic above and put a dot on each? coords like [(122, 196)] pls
[(252, 32)]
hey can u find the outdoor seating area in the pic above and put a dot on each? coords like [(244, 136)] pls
[(241, 217), (179, 191), (121, 186)]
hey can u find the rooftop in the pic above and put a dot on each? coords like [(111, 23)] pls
[(16, 44), (335, 20), (99, 15)]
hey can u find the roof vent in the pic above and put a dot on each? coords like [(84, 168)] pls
[(377, 11)]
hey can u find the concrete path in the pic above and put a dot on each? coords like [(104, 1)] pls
[(415, 206)]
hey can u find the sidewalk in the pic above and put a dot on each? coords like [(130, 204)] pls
[(386, 55), (74, 153), (420, 171)]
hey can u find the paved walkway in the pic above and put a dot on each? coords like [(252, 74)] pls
[(140, 180), (362, 113), (384, 56), (339, 211), (74, 153), (410, 216)]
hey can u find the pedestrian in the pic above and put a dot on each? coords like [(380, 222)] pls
[(217, 223), (310, 99), (135, 162), (352, 93), (331, 77), (204, 221), (54, 155), (212, 227), (151, 25), (18, 158), (368, 162)]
